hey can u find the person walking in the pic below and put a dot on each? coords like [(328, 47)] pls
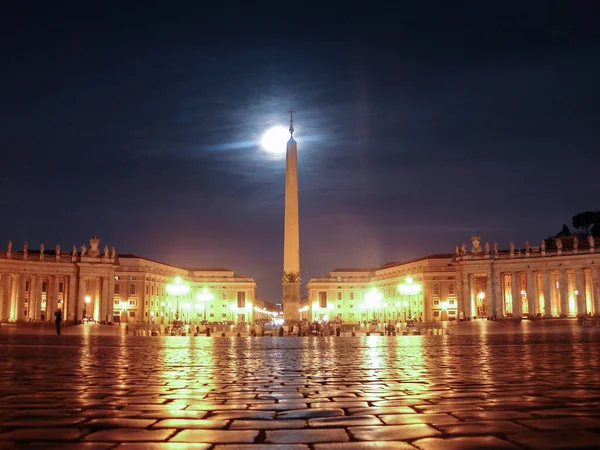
[(58, 320)]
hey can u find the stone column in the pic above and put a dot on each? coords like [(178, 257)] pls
[(80, 299), (20, 313), (530, 295), (467, 296), (564, 299), (596, 290), (69, 314), (104, 300), (516, 304), (497, 301), (580, 297), (547, 298), (111, 298), (2, 298)]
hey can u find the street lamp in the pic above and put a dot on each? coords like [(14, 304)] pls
[(178, 288), (373, 298), (204, 297), (410, 288), (87, 300)]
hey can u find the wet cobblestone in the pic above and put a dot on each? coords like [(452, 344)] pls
[(533, 385)]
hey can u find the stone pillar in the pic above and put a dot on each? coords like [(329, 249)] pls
[(530, 295), (580, 296), (497, 295), (80, 299), (20, 313), (52, 305), (516, 304), (104, 300), (13, 296), (71, 310), (2, 298), (596, 290), (466, 305), (547, 293), (564, 299), (111, 298)]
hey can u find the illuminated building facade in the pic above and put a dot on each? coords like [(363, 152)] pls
[(423, 288), (106, 287), (556, 279)]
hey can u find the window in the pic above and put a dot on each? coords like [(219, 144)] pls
[(224, 315), (351, 314), (451, 289), (241, 299), (132, 278), (146, 302), (27, 286), (212, 314), (452, 312), (351, 306), (131, 313), (436, 289), (131, 288), (131, 302), (223, 306), (61, 287), (339, 306), (322, 299), (117, 288), (436, 314), (339, 295), (451, 302), (351, 295), (223, 295), (45, 286), (436, 302), (116, 302), (152, 290), (147, 289)]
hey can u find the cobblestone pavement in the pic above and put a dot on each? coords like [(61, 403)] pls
[(490, 385)]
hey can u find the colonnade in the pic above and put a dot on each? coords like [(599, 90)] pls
[(549, 292), (32, 296)]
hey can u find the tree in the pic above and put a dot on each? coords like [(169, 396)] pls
[(588, 221)]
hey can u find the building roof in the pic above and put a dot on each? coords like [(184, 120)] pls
[(422, 258)]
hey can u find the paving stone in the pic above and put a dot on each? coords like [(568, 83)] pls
[(67, 446), (41, 434), (262, 446), (495, 427), (119, 423), (267, 424), (563, 423), (383, 445), (465, 443), (309, 413), (345, 421), (130, 434), (492, 415), (41, 423), (216, 436), (393, 432), (162, 446), (558, 440), (306, 436), (407, 419), (191, 423)]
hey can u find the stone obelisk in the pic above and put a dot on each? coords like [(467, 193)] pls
[(290, 279)]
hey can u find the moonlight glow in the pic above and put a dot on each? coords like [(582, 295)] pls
[(275, 139)]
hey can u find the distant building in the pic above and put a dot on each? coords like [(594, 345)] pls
[(423, 288), (558, 278), (106, 287)]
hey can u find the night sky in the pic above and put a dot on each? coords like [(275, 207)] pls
[(417, 126)]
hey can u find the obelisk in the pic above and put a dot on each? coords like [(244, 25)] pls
[(290, 279)]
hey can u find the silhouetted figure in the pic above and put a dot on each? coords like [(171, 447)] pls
[(280, 331), (207, 331), (58, 320), (338, 331)]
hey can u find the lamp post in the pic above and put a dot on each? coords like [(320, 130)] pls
[(178, 288), (87, 301), (204, 297), (409, 288)]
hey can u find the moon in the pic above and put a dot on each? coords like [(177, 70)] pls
[(274, 140)]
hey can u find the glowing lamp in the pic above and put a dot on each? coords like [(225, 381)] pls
[(87, 299)]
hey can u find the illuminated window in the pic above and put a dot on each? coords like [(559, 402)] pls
[(117, 288), (451, 302), (132, 288), (322, 299)]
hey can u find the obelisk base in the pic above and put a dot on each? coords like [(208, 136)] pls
[(291, 303)]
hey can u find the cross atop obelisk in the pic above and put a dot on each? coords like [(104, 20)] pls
[(290, 279)]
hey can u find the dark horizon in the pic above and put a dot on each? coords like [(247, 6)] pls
[(417, 126)]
